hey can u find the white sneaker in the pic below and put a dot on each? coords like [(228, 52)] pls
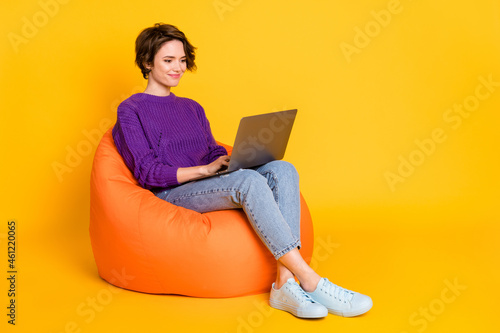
[(340, 301), (292, 298)]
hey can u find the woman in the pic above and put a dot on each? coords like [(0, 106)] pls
[(166, 142)]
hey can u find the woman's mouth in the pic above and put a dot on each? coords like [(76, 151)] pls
[(174, 76)]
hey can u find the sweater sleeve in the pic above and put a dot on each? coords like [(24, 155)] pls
[(139, 157), (214, 150)]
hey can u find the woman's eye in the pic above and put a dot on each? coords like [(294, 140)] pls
[(183, 60), (168, 60)]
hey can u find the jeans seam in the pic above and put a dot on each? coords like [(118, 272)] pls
[(276, 184), (263, 234), (204, 192)]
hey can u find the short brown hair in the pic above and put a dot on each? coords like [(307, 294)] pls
[(150, 40)]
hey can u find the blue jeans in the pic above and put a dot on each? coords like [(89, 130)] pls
[(269, 195)]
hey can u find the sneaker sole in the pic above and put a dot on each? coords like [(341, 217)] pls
[(351, 313), (293, 310)]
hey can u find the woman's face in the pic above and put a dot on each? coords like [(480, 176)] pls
[(169, 64)]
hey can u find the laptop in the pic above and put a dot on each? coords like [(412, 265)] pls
[(260, 139)]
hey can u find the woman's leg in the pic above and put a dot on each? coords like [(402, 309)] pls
[(292, 264), (249, 190), (245, 189), (283, 180)]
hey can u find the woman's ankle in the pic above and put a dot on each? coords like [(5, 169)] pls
[(281, 280), (282, 276), (310, 283)]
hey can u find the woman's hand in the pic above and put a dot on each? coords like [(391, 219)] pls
[(212, 168), (187, 174)]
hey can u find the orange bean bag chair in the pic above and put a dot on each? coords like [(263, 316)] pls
[(146, 244)]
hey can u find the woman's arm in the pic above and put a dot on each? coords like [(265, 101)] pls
[(214, 150), (140, 158), (187, 174)]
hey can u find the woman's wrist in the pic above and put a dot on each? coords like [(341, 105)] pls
[(204, 170), (189, 173)]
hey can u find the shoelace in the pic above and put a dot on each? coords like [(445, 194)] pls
[(298, 293), (339, 293)]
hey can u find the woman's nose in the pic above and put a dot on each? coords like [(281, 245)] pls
[(177, 66)]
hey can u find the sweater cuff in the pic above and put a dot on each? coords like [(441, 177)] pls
[(171, 176)]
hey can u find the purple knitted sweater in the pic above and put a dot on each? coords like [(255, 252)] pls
[(156, 135)]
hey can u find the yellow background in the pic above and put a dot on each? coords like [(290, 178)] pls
[(65, 66)]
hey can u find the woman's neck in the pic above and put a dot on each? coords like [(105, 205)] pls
[(156, 89)]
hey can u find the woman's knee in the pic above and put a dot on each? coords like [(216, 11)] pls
[(249, 179), (282, 169)]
